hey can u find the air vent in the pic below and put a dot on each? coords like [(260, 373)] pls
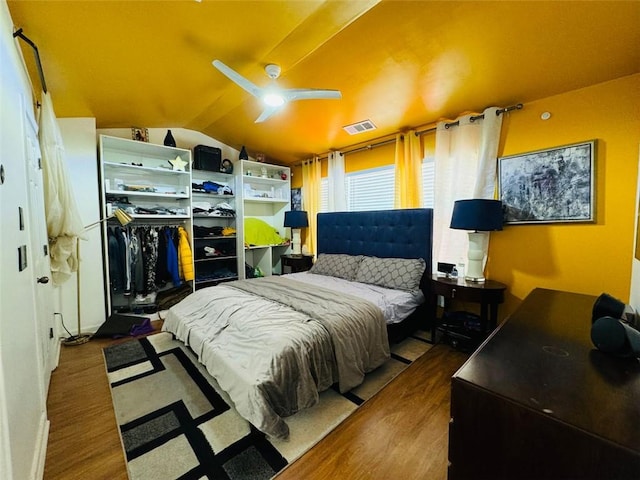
[(364, 126)]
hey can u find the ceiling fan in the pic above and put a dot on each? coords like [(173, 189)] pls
[(273, 97)]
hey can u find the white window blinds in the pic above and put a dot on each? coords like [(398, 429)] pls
[(428, 182), (371, 189)]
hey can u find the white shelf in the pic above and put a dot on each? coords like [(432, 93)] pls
[(266, 200), (148, 168), (266, 196), (258, 247), (138, 169), (207, 267), (129, 193), (211, 195), (264, 180)]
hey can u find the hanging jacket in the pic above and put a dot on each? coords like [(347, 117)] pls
[(172, 259), (185, 258)]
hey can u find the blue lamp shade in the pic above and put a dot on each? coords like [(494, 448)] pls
[(477, 214), (296, 219)]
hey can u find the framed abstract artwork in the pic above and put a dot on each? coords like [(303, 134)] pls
[(556, 185), (296, 199)]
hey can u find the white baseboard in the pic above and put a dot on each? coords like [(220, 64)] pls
[(40, 453)]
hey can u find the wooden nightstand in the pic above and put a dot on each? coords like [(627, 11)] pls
[(488, 294), (296, 263)]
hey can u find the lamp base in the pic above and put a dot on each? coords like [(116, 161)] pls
[(475, 265), (296, 248), (74, 340), (475, 279)]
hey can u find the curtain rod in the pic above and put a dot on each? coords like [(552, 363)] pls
[(472, 119), (18, 33), (500, 111)]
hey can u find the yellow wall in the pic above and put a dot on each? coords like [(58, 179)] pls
[(584, 258)]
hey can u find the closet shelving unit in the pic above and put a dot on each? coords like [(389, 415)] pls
[(215, 256), (136, 175), (266, 194)]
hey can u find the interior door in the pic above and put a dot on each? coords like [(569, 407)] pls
[(39, 255)]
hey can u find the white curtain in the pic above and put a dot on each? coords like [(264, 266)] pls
[(465, 162), (336, 183), (64, 223)]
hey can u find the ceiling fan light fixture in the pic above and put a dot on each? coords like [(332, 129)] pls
[(273, 99)]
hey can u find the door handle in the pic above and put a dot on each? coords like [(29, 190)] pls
[(43, 279)]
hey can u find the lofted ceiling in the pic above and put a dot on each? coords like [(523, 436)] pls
[(399, 64)]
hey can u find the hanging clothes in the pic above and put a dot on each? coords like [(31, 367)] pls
[(172, 258), (134, 264), (162, 270), (116, 261), (185, 258), (64, 223), (137, 270), (150, 258)]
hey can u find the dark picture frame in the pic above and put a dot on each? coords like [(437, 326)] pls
[(555, 185)]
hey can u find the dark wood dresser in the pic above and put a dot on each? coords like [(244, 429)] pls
[(538, 401)]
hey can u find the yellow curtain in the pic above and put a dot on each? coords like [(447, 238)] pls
[(311, 179), (408, 171)]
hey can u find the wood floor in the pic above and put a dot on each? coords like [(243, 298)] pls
[(400, 433)]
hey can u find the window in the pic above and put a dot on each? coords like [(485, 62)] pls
[(428, 182), (371, 189), (374, 189), (324, 195)]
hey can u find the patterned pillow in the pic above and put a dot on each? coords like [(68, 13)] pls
[(337, 265), (398, 273)]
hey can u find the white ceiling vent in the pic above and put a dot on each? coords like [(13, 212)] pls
[(364, 126)]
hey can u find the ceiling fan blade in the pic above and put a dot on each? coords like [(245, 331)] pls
[(267, 112), (292, 94), (238, 79)]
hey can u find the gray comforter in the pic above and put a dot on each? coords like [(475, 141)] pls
[(274, 343)]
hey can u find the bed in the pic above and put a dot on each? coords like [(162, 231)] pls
[(274, 343)]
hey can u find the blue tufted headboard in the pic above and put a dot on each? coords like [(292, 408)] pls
[(404, 233)]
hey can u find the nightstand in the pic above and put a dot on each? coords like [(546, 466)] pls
[(296, 263), (488, 294)]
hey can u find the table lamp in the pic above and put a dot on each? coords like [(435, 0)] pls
[(480, 216), (296, 219)]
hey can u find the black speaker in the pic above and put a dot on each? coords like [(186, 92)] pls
[(612, 335), (614, 327), (207, 158), (606, 305)]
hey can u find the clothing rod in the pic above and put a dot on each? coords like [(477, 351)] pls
[(18, 33), (143, 222)]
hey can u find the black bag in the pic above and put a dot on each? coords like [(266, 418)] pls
[(118, 325), (207, 158), (168, 298)]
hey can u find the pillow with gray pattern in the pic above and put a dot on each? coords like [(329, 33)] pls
[(397, 273), (337, 265)]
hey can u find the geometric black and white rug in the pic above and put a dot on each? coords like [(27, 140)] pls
[(176, 423)]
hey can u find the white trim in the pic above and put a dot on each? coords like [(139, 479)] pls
[(40, 453)]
